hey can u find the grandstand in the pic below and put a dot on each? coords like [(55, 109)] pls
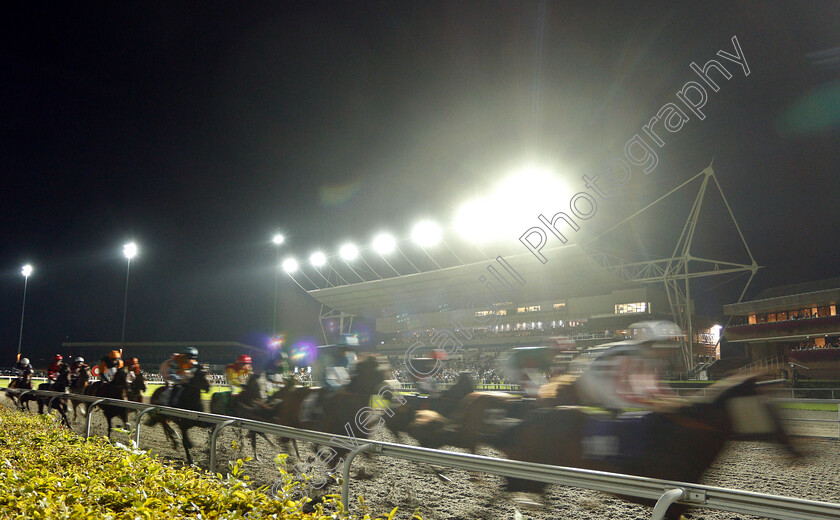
[(510, 302), (433, 293)]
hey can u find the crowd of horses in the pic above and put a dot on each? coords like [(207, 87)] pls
[(676, 439)]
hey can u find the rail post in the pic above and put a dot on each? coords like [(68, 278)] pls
[(140, 415), (213, 438), (90, 416), (345, 472), (665, 501)]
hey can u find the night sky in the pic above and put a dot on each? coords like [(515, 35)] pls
[(197, 130)]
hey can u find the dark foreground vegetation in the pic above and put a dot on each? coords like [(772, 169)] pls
[(50, 472)]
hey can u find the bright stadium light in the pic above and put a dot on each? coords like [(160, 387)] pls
[(384, 244), (509, 209), (318, 259), (290, 265), (426, 233), (25, 271), (473, 221), (278, 239), (348, 252), (130, 250)]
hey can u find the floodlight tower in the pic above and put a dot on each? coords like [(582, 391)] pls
[(277, 240), (25, 271), (129, 251)]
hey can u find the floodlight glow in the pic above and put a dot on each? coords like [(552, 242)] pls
[(426, 233), (384, 244), (348, 252), (509, 209), (290, 265), (318, 259), (26, 270), (278, 239), (130, 250)]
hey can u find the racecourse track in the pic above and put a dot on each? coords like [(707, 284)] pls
[(751, 466)]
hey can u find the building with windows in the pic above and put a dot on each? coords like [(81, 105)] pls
[(793, 323), (502, 304)]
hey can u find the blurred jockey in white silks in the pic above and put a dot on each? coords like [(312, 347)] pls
[(331, 371), (527, 366), (626, 374)]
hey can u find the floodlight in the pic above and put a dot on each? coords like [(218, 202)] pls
[(348, 252), (318, 259), (426, 233), (278, 239), (475, 220), (290, 265), (384, 243), (26, 270), (130, 250)]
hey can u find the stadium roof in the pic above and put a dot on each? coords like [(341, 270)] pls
[(569, 272)]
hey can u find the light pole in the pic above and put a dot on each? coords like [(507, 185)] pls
[(130, 251), (277, 240), (25, 271)]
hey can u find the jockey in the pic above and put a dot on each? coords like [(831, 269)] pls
[(53, 369), (23, 369), (276, 368), (76, 367), (239, 372), (333, 367), (108, 366), (133, 366), (178, 370)]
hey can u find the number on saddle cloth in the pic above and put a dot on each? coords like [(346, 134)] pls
[(625, 437)]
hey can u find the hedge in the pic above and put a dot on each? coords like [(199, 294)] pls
[(50, 472)]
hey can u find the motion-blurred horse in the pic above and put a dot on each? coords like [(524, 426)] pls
[(116, 388), (24, 382), (343, 409), (676, 442), (77, 386), (189, 399), (247, 404), (56, 403)]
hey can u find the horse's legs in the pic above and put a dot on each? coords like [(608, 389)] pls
[(185, 439)]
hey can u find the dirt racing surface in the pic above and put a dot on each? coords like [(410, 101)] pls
[(752, 466)]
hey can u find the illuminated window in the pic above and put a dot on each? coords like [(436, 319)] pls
[(560, 306), (752, 320), (530, 308), (501, 312), (479, 314), (632, 308)]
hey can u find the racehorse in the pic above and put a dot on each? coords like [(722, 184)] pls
[(24, 382), (136, 388), (189, 399), (247, 404), (341, 407), (114, 389), (56, 403), (78, 387), (675, 442)]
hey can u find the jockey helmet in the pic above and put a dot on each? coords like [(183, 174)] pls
[(191, 352), (244, 359), (114, 354), (57, 358), (24, 361), (79, 360)]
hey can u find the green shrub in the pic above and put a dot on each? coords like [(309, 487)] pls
[(50, 472)]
